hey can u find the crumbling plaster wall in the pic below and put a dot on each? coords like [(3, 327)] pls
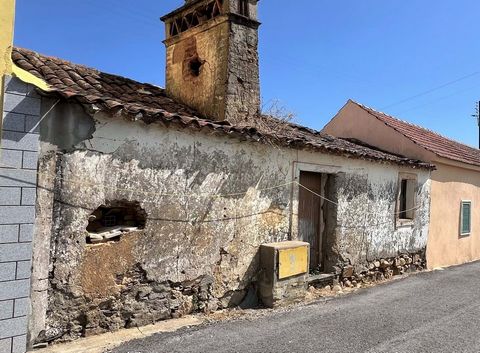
[(210, 202), (362, 201), (366, 221)]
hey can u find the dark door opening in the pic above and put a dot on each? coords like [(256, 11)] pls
[(311, 225)]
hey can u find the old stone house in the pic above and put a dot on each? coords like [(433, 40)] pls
[(131, 203), (454, 234)]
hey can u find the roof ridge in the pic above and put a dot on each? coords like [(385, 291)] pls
[(124, 97), (370, 109), (81, 66)]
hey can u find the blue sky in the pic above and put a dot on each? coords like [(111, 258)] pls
[(417, 60)]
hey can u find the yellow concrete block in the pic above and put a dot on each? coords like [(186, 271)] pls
[(292, 261)]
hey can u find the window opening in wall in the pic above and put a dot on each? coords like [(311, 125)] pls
[(243, 8), (403, 199), (109, 222), (198, 16), (406, 199), (465, 218)]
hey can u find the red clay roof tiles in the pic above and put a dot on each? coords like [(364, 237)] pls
[(430, 140), (143, 101)]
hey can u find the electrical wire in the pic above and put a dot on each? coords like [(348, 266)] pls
[(198, 194), (421, 94)]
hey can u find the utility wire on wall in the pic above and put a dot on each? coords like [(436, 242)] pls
[(212, 195)]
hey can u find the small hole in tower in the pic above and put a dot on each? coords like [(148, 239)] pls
[(110, 221), (195, 66)]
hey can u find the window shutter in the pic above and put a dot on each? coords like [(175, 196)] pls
[(466, 217)]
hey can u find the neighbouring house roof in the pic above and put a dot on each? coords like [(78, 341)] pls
[(430, 140), (149, 103)]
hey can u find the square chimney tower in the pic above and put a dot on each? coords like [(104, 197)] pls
[(212, 58)]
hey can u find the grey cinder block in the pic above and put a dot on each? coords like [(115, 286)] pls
[(15, 177), (29, 196), (26, 232), (6, 309), (13, 327), (15, 86), (30, 160), (32, 124), (15, 252), (11, 158), (9, 233), (7, 271), (21, 307), (19, 344), (22, 141), (24, 269), (17, 214), (5, 345), (10, 196), (14, 289), (22, 105), (14, 122)]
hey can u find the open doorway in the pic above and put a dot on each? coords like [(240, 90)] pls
[(311, 217)]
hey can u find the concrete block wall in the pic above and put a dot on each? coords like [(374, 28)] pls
[(19, 147)]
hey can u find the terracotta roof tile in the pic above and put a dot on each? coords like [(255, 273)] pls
[(430, 140), (143, 101)]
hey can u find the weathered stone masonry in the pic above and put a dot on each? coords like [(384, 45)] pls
[(225, 84), (196, 251), (146, 211), (18, 175)]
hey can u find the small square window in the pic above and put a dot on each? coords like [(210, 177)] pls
[(465, 218)]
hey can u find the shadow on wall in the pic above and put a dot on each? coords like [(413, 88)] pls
[(65, 124), (17, 126), (248, 296)]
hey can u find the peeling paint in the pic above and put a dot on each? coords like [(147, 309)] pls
[(210, 203)]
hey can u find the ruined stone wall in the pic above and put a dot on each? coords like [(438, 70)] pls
[(197, 251), (210, 201)]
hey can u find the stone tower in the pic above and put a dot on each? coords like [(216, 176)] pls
[(212, 58)]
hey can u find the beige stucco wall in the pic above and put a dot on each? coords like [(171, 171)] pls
[(354, 122), (451, 185)]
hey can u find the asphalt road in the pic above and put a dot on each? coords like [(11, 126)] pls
[(429, 312)]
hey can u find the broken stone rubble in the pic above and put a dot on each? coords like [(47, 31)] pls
[(108, 233), (140, 302), (380, 269)]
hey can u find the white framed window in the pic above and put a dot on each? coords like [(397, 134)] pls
[(465, 217)]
